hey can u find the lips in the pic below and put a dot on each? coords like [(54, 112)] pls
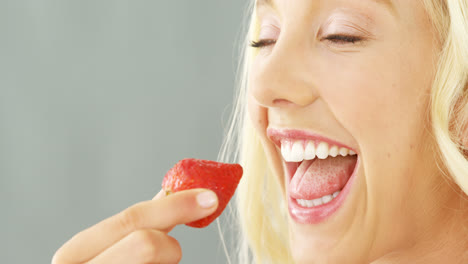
[(318, 185)]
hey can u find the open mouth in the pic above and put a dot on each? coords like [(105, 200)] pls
[(318, 173)]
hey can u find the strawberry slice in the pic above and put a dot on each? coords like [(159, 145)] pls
[(222, 178)]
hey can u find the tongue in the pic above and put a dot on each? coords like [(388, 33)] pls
[(319, 177)]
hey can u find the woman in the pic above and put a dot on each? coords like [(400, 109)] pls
[(353, 121)]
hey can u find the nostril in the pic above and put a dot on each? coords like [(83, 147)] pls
[(282, 102)]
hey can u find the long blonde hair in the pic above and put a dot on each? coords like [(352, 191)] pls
[(261, 211)]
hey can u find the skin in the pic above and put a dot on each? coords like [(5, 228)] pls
[(138, 234), (372, 95)]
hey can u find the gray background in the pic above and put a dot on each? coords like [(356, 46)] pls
[(98, 99)]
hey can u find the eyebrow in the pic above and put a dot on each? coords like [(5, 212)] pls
[(387, 3)]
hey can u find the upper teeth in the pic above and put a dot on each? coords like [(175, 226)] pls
[(299, 150)]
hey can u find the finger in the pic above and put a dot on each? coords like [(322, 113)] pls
[(142, 246), (161, 214), (160, 194)]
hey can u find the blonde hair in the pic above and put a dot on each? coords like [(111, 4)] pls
[(261, 211)]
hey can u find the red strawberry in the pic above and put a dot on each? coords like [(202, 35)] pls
[(222, 178)]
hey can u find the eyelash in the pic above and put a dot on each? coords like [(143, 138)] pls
[(335, 38)]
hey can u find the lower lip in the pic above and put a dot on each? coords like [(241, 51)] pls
[(317, 214)]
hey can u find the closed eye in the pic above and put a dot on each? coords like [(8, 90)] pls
[(335, 38), (343, 39), (262, 43)]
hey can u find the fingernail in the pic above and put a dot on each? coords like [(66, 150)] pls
[(206, 199), (159, 195)]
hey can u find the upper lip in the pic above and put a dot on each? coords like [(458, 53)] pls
[(276, 135)]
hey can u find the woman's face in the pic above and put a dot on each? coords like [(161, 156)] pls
[(355, 74)]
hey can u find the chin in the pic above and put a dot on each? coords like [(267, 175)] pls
[(321, 251)]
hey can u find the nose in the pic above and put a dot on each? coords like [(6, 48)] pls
[(285, 76)]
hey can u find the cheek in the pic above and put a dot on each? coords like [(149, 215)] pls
[(382, 102), (259, 119), (359, 91), (258, 115)]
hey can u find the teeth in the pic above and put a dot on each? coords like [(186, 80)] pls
[(344, 152), (319, 201), (304, 203), (322, 150), (333, 151), (299, 150), (285, 151), (309, 153), (327, 198), (335, 194)]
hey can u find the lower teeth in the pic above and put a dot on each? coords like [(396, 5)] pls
[(319, 201)]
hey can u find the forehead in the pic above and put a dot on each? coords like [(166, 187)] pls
[(271, 3)]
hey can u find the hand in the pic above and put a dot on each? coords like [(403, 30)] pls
[(139, 233)]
